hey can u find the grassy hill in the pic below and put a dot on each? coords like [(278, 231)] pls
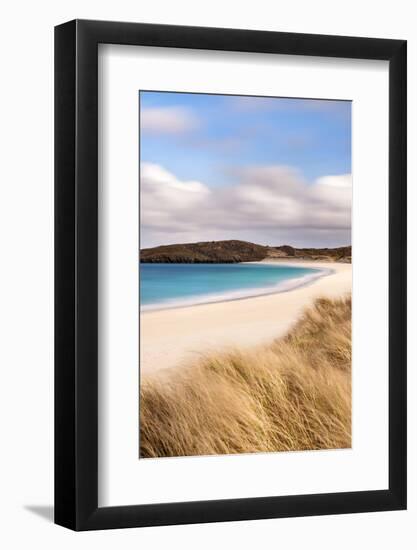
[(342, 253), (238, 251), (205, 252)]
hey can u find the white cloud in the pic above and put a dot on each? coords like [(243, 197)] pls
[(166, 202), (167, 120), (269, 204)]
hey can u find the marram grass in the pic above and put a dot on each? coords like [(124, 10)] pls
[(291, 395)]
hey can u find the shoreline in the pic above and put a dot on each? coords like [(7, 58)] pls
[(178, 335), (234, 295)]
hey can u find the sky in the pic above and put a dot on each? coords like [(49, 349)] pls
[(267, 170)]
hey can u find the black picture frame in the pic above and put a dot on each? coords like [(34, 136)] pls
[(76, 272)]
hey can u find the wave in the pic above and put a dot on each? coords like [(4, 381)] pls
[(282, 286)]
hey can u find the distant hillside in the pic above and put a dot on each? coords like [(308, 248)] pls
[(207, 252), (237, 251), (340, 254)]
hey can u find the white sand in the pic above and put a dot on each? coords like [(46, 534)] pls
[(176, 336)]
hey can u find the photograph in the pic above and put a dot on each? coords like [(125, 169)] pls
[(245, 274)]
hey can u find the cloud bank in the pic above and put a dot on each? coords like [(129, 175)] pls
[(267, 204)]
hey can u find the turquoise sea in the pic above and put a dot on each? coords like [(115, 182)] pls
[(174, 285)]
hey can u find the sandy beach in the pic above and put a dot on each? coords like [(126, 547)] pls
[(178, 336)]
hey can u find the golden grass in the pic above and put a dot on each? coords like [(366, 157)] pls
[(293, 394)]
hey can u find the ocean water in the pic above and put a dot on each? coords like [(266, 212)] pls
[(174, 285)]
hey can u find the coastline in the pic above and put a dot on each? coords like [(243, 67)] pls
[(233, 295), (179, 335)]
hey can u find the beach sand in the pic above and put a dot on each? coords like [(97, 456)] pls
[(178, 336)]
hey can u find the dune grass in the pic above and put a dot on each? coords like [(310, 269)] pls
[(293, 394)]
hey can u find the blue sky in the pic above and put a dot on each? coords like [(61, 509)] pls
[(234, 131), (216, 140)]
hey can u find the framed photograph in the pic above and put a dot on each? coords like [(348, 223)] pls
[(230, 248)]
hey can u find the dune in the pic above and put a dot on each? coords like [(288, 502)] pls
[(291, 394)]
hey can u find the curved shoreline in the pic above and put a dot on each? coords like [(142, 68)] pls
[(172, 337), (234, 295)]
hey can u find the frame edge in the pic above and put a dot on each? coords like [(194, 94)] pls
[(398, 274), (65, 260)]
